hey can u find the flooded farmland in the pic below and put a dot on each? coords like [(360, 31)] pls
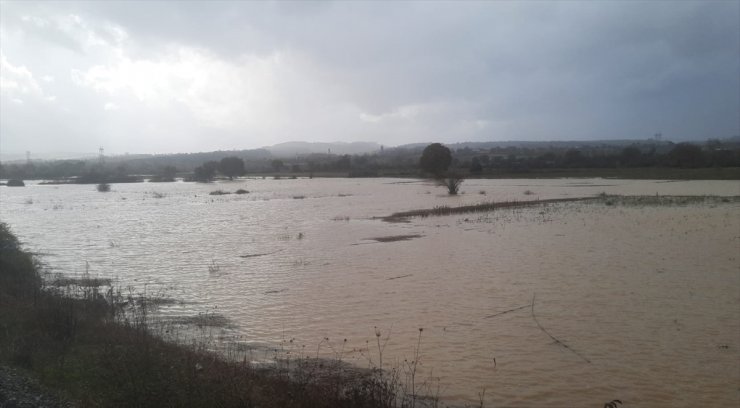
[(569, 304)]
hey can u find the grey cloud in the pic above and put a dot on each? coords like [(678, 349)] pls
[(468, 70)]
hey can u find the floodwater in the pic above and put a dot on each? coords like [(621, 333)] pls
[(644, 300)]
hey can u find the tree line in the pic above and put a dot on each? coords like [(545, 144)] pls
[(390, 162)]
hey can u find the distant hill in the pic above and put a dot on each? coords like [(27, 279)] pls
[(185, 161), (563, 144), (10, 157), (305, 148), (532, 144), (293, 149)]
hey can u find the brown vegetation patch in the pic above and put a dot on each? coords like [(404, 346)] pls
[(665, 200), (483, 207), (394, 238)]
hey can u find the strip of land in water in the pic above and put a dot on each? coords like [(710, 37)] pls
[(603, 198)]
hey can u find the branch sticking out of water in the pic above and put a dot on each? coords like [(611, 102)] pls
[(555, 339), (399, 277), (508, 311), (262, 254), (394, 238)]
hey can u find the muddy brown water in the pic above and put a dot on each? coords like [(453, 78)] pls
[(645, 300)]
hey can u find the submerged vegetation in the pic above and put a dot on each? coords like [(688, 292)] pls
[(483, 207), (664, 200), (452, 183), (223, 192), (602, 198), (394, 238)]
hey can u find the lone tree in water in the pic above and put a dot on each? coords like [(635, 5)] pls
[(435, 159), (231, 166)]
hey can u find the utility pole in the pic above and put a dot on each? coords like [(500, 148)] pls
[(101, 156)]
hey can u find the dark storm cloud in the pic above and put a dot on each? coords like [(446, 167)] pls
[(391, 72)]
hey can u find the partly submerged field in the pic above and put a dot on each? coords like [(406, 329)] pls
[(633, 299)]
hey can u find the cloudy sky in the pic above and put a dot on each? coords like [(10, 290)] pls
[(155, 77)]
